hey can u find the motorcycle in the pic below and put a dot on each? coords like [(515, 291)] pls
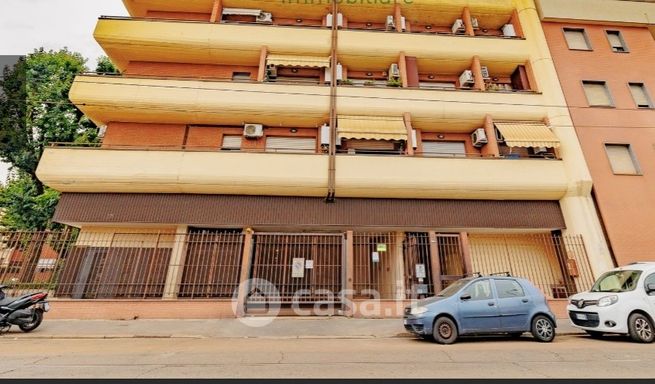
[(26, 311)]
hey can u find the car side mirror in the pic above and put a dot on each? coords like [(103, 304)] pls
[(466, 296), (650, 288)]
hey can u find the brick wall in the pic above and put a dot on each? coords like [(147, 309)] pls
[(196, 71)]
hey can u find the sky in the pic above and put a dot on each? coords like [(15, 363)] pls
[(53, 24)]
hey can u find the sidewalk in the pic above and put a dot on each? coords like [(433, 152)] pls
[(251, 327)]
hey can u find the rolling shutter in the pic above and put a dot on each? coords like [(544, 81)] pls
[(291, 144), (597, 93), (444, 148), (231, 142), (640, 96), (621, 159), (575, 38)]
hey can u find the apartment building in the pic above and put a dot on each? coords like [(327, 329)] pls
[(603, 52), (341, 153)]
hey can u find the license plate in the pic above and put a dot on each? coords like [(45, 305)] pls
[(581, 316)]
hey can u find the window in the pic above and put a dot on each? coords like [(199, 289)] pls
[(577, 39), (444, 148), (291, 144), (508, 288), (621, 159), (640, 95), (231, 143), (617, 281), (649, 280), (241, 76), (597, 94), (616, 41), (480, 290)]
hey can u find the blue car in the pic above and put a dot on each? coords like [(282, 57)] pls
[(482, 305)]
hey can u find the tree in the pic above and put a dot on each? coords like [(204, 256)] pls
[(34, 112), (105, 66)]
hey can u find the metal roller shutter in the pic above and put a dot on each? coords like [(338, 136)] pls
[(291, 144), (444, 148)]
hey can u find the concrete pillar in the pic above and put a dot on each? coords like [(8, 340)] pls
[(466, 252), (398, 267), (176, 264), (261, 74), (516, 22), (476, 67), (402, 66), (435, 262), (217, 12), (246, 262), (491, 148), (407, 118), (397, 16), (350, 272), (468, 23)]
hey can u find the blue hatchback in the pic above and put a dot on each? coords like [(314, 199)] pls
[(482, 305)]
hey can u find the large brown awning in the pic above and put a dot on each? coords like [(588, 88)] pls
[(371, 127), (528, 135), (278, 211)]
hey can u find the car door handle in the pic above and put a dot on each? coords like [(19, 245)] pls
[(491, 303), (525, 300)]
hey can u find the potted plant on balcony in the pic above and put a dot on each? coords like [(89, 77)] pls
[(394, 83), (345, 82), (369, 83)]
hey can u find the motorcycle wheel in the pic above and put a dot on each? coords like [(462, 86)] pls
[(34, 324)]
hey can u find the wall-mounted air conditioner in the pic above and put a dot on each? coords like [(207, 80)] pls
[(508, 30), (394, 72), (330, 19), (458, 26), (390, 24), (253, 131), (485, 73), (264, 17), (414, 139), (540, 150), (325, 134), (466, 79), (479, 137), (328, 73), (271, 72), (403, 23)]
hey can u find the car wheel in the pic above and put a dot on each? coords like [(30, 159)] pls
[(444, 331), (515, 335), (543, 329), (595, 334), (640, 328)]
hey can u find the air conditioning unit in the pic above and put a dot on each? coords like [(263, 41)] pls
[(508, 30), (479, 137), (391, 24), (540, 150), (466, 79), (328, 73), (271, 71), (394, 72), (414, 139), (325, 134), (253, 131), (475, 23), (329, 20), (459, 26), (264, 17), (403, 23), (485, 73)]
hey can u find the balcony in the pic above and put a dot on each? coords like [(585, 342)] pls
[(70, 169), (177, 101)]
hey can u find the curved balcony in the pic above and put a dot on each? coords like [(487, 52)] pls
[(219, 172)]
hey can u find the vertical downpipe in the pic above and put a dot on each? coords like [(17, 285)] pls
[(333, 108)]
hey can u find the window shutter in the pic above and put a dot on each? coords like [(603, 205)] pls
[(291, 144), (597, 94), (639, 94), (621, 159), (379, 145), (576, 39), (615, 39), (444, 148), (231, 142)]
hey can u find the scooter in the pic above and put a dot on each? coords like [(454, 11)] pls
[(26, 311)]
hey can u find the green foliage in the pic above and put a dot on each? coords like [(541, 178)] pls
[(106, 66), (24, 207), (394, 83)]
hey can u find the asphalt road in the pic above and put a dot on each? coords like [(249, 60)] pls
[(568, 357)]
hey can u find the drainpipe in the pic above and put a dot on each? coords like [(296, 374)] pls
[(333, 109)]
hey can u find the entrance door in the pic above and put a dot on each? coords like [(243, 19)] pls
[(296, 269)]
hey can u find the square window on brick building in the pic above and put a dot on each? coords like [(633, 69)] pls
[(598, 95), (640, 95), (616, 41), (576, 38), (622, 159)]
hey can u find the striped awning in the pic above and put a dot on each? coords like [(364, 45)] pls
[(371, 127), (298, 61), (528, 135)]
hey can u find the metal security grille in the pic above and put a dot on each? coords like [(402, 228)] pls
[(378, 266), (212, 264), (296, 268), (419, 281), (451, 258)]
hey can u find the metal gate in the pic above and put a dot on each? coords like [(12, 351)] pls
[(296, 268)]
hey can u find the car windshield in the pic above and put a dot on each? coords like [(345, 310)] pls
[(617, 281), (453, 288)]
